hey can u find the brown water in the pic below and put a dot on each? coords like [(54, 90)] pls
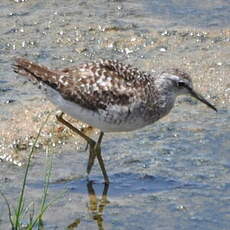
[(171, 175)]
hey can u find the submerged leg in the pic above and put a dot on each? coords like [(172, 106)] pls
[(94, 150)]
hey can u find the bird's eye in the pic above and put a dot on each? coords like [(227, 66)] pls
[(181, 84)]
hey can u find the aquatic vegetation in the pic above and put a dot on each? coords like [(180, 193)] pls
[(17, 215)]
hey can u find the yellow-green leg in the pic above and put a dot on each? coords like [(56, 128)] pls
[(93, 152), (94, 147)]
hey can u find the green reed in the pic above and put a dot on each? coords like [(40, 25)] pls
[(17, 215)]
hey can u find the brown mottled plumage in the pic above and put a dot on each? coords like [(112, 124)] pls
[(115, 92), (109, 95), (92, 85)]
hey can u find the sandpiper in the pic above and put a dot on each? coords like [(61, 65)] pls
[(109, 95)]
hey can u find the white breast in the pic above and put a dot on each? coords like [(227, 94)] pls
[(112, 120)]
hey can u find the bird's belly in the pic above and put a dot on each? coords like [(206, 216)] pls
[(103, 120), (116, 119)]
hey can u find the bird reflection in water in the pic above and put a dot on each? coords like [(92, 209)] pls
[(95, 207)]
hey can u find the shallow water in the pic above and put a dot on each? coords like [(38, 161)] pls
[(171, 175)]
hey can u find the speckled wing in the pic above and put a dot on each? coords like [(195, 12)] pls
[(98, 85), (93, 85)]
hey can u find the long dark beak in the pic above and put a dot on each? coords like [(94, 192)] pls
[(201, 98)]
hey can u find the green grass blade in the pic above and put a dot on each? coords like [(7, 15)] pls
[(21, 197)]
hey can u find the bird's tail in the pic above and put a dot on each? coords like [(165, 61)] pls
[(35, 72)]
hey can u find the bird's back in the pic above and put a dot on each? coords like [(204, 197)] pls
[(100, 93), (93, 85)]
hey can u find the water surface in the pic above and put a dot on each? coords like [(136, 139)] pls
[(173, 174)]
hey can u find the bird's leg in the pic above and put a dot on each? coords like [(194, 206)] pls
[(102, 165), (74, 129), (95, 148), (89, 141), (100, 159), (95, 151)]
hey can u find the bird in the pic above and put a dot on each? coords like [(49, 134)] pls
[(109, 95)]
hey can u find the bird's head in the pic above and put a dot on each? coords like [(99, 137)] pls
[(181, 84)]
